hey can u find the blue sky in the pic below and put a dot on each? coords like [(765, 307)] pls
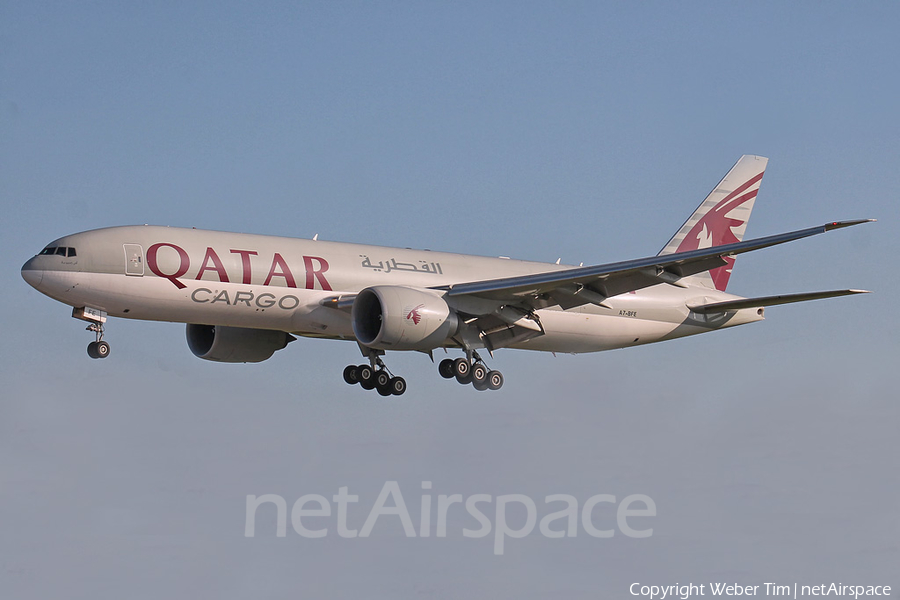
[(586, 131)]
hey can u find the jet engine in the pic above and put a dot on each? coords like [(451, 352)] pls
[(392, 317), (235, 344)]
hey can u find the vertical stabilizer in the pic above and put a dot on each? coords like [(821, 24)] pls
[(721, 218)]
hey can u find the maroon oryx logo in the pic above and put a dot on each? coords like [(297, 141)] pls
[(414, 314), (715, 228)]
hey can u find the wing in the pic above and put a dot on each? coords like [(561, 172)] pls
[(581, 285), (504, 309)]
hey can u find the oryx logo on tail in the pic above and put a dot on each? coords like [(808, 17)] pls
[(721, 218), (717, 227)]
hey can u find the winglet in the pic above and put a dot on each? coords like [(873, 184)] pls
[(842, 224)]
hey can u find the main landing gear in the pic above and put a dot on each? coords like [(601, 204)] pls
[(476, 373), (376, 377)]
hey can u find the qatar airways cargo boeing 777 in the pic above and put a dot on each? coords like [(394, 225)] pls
[(245, 296)]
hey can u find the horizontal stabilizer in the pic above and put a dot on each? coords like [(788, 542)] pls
[(718, 307)]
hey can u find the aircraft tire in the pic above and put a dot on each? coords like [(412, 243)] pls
[(366, 376), (479, 373), (397, 386), (384, 390), (102, 349), (382, 379), (445, 368), (461, 367), (92, 350), (350, 374), (495, 380), (480, 385)]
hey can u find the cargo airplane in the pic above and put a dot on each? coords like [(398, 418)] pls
[(244, 296)]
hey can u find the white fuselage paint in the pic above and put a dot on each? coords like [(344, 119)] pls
[(266, 282)]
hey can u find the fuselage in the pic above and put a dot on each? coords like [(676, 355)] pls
[(266, 282)]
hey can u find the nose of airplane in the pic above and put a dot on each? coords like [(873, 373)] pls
[(32, 274)]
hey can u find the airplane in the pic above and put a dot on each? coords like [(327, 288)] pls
[(244, 296)]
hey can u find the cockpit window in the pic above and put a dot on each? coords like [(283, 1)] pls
[(58, 251)]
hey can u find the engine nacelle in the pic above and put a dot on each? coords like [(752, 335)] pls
[(393, 317), (235, 344)]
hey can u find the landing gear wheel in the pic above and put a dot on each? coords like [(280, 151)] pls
[(480, 385), (398, 386), (350, 374), (382, 379), (445, 368), (479, 374), (98, 349), (384, 390), (366, 376), (495, 380), (463, 370), (102, 349)]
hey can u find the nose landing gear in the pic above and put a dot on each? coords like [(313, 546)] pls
[(96, 318)]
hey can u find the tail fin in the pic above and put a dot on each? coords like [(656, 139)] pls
[(721, 218)]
